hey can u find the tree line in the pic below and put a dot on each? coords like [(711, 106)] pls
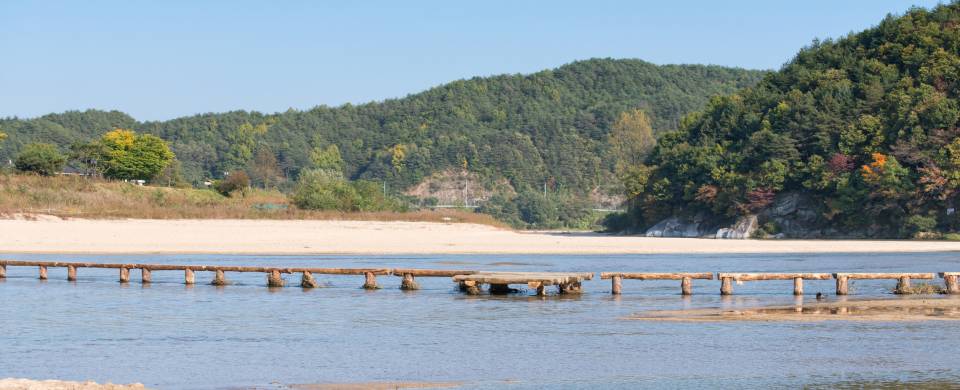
[(866, 126), (555, 129)]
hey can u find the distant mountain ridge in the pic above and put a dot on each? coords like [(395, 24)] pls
[(546, 127)]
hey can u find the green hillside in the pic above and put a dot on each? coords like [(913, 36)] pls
[(548, 127), (863, 128)]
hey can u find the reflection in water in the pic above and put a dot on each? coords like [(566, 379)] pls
[(170, 335)]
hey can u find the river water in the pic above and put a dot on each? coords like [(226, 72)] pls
[(171, 336)]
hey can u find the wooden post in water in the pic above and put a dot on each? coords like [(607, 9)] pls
[(124, 275), (797, 286), (307, 280), (189, 277), (951, 282), (471, 287), (842, 285), (3, 271), (145, 276), (686, 286), (408, 283), (903, 285), (540, 286), (617, 284), (43, 272), (219, 279), (370, 281), (274, 279), (71, 273), (726, 286)]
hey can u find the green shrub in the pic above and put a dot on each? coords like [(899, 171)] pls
[(235, 181), (324, 190), (916, 224), (43, 159)]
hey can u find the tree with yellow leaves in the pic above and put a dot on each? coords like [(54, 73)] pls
[(631, 139)]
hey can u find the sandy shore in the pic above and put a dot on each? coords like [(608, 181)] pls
[(29, 384), (52, 235), (901, 309)]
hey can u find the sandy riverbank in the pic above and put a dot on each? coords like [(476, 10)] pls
[(52, 235), (900, 309), (29, 384)]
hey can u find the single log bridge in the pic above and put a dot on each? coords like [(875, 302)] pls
[(274, 274), (903, 280), (685, 278), (567, 282), (727, 279), (471, 281), (408, 275)]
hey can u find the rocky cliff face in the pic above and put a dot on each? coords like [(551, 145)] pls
[(795, 215), (701, 226), (792, 215)]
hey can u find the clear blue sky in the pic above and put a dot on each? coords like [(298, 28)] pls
[(162, 59)]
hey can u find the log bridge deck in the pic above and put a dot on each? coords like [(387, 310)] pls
[(471, 281), (685, 278), (903, 280), (567, 282), (727, 279), (274, 278)]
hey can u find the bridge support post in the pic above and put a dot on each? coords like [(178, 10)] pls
[(726, 286), (219, 279), (686, 286), (616, 284)]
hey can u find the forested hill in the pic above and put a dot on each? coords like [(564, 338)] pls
[(549, 126), (861, 131)]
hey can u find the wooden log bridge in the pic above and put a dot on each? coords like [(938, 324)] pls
[(951, 281), (727, 279), (903, 280), (408, 275), (274, 274), (567, 282), (685, 278)]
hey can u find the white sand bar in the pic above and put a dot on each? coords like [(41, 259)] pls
[(51, 235)]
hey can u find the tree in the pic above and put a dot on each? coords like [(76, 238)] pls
[(87, 157), (242, 141), (132, 156), (327, 159), (43, 159), (264, 169), (631, 139)]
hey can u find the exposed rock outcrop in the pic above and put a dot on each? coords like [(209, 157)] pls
[(701, 226), (743, 228), (795, 215), (681, 227)]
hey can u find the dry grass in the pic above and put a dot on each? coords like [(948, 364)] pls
[(79, 197)]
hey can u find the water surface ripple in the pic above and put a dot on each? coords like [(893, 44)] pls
[(171, 336)]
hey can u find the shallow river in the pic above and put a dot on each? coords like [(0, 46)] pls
[(168, 335)]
